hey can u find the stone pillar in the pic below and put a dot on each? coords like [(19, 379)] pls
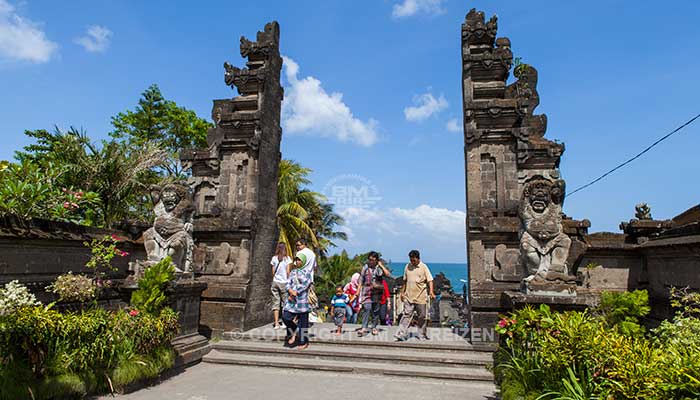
[(184, 298), (235, 191), (505, 149)]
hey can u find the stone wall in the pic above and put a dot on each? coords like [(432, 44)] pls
[(651, 254), (235, 191), (35, 252)]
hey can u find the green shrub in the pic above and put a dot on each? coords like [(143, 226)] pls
[(56, 355), (150, 297), (624, 310), (576, 355)]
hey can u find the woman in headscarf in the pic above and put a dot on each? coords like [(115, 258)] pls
[(352, 290), (297, 308)]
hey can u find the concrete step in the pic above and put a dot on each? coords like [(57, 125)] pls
[(361, 353), (273, 359)]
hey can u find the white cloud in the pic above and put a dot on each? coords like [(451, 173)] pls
[(424, 106), (438, 232), (410, 8), (441, 223), (453, 125), (22, 39), (307, 108), (96, 39)]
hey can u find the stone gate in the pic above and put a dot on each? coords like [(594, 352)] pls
[(234, 182)]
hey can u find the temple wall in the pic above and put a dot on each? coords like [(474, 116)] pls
[(36, 252)]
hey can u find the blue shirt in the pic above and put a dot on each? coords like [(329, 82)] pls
[(340, 301)]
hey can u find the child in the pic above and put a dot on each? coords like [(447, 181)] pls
[(338, 304)]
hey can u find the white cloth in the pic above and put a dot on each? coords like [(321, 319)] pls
[(310, 261), (280, 269)]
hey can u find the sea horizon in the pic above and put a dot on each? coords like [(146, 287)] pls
[(453, 271)]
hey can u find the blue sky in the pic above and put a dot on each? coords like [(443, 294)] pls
[(371, 91)]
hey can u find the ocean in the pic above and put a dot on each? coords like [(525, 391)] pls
[(453, 271)]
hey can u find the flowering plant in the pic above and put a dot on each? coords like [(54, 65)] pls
[(71, 287), (103, 251), (15, 295)]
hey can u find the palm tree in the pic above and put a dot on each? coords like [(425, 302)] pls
[(323, 220), (294, 203)]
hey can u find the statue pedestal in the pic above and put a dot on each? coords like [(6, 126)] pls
[(185, 297), (556, 300), (551, 289)]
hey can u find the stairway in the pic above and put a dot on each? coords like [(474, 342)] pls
[(445, 356)]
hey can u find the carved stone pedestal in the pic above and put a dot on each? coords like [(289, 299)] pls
[(548, 288), (185, 298), (556, 302)]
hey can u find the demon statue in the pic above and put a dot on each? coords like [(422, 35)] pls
[(171, 233), (544, 246), (642, 211)]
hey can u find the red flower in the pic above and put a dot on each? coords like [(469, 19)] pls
[(66, 204), (123, 253), (134, 313), (502, 323), (116, 238)]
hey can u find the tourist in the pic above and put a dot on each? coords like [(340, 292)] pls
[(309, 267), (296, 309), (417, 286), (338, 311), (369, 285), (279, 264), (352, 290)]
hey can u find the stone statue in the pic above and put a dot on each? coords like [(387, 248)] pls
[(643, 211), (171, 233), (544, 247)]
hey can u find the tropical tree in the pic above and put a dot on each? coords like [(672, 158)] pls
[(294, 203), (163, 122), (305, 213), (117, 172), (27, 191), (336, 270), (324, 221)]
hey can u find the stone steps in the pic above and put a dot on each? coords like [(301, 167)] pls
[(446, 356), (359, 353), (295, 359)]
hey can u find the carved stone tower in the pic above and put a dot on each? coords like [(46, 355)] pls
[(505, 149), (235, 191)]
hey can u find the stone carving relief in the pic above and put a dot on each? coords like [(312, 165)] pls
[(543, 244), (222, 259), (508, 267)]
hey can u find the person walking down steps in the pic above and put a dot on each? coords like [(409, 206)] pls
[(297, 308), (417, 286), (338, 303)]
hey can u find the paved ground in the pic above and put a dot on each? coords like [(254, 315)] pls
[(224, 382)]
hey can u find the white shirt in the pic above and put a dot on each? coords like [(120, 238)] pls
[(280, 268)]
